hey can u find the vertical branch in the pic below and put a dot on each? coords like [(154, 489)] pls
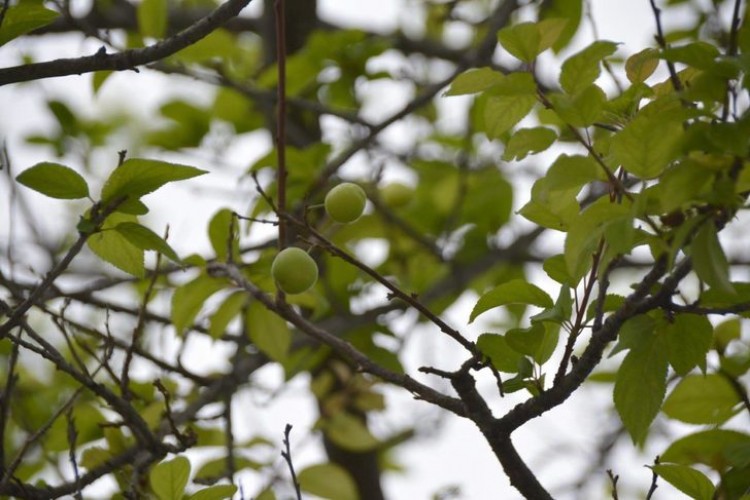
[(663, 44), (5, 397), (281, 116), (72, 438), (287, 455)]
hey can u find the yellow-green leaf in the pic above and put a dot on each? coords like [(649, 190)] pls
[(516, 291), (328, 481), (473, 81), (702, 399), (268, 331), (54, 180), (691, 482), (641, 65), (168, 479)]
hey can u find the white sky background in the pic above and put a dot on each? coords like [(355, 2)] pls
[(457, 454)]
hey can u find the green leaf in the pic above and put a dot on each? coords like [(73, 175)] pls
[(647, 145), (572, 172), (587, 230), (54, 180), (569, 10), (328, 481), (152, 18), (516, 291), (705, 447), (215, 492), (527, 40), (691, 482), (556, 269), (641, 65), (222, 223), (268, 331), (640, 386), (349, 432), (583, 68), (698, 399), (503, 357), (23, 18), (168, 479), (538, 341), (145, 239), (508, 102), (473, 81), (501, 113), (113, 247), (225, 313), (709, 261), (528, 141), (188, 299), (581, 109), (688, 339), (725, 332), (138, 177), (218, 468)]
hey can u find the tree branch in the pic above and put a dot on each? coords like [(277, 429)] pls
[(128, 59)]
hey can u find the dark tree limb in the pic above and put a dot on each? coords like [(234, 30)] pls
[(128, 59)]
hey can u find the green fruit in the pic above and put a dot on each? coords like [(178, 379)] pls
[(396, 195), (345, 203), (294, 271)]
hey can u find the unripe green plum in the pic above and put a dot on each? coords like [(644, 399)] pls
[(294, 271), (396, 195), (345, 202)]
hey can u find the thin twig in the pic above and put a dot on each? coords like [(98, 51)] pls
[(287, 455), (676, 84), (613, 478), (654, 480)]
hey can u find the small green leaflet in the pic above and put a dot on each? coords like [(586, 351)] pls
[(641, 385), (583, 68), (641, 65), (706, 447), (581, 109), (648, 144), (23, 18), (188, 299), (168, 479), (516, 291), (219, 234), (54, 180), (225, 313), (526, 41), (145, 239), (689, 338), (691, 482), (328, 481), (111, 246), (138, 177), (569, 10), (709, 261), (702, 400), (503, 357), (268, 331), (528, 141), (473, 81), (215, 492), (349, 432)]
